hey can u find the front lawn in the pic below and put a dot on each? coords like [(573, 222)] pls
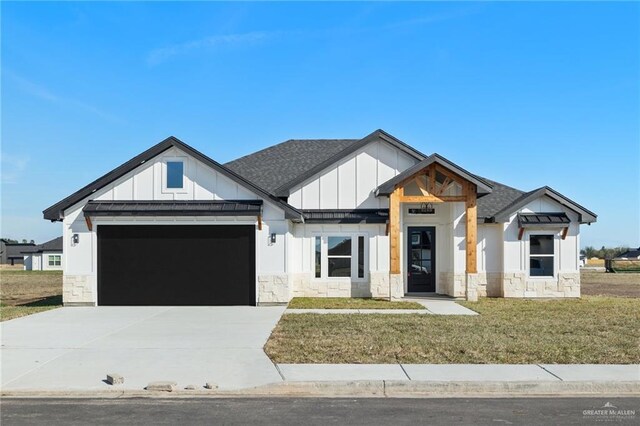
[(349, 303), (595, 330), (594, 283), (27, 292)]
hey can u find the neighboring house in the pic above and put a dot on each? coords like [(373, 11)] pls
[(633, 254), (11, 253), (371, 217), (45, 257)]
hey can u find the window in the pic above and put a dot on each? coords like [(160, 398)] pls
[(175, 174), (318, 257), (541, 256), (55, 260), (340, 256)]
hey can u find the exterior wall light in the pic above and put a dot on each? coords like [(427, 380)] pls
[(272, 238)]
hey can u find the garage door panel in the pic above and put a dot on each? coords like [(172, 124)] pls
[(176, 265)]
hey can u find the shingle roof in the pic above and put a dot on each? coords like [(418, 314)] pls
[(53, 245), (273, 167), (501, 196)]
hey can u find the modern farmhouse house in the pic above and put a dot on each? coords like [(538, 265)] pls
[(372, 217)]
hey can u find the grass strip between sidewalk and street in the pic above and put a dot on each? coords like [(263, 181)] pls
[(594, 329)]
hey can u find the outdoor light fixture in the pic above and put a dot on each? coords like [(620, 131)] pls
[(272, 238), (75, 239), (426, 208)]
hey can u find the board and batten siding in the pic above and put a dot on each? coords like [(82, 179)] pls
[(567, 251), (350, 183), (146, 183)]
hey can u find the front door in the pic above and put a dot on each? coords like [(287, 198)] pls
[(422, 259)]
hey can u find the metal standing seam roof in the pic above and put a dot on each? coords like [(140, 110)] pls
[(347, 216), (542, 220), (174, 208)]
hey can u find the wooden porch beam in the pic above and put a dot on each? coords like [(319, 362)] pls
[(444, 186), (422, 186), (565, 231), (394, 232), (520, 233), (431, 198), (89, 224), (471, 228), (259, 222)]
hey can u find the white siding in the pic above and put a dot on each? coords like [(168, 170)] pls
[(567, 251), (146, 183), (350, 183)]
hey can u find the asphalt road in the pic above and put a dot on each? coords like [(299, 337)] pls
[(318, 411)]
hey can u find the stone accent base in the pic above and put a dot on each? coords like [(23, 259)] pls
[(304, 285), (273, 289), (452, 284), (396, 286), (471, 291), (518, 285), (78, 290)]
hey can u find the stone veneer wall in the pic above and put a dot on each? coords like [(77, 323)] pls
[(78, 290), (516, 284), (273, 289), (452, 284), (396, 286), (304, 285)]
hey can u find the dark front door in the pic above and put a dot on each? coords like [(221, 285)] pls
[(176, 265), (422, 259)]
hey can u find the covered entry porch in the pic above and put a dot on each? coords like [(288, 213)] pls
[(433, 230)]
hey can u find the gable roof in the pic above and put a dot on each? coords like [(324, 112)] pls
[(52, 245), (283, 190), (388, 187), (633, 253), (56, 211), (274, 166), (584, 215)]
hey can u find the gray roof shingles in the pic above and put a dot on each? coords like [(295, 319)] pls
[(273, 167), (500, 196)]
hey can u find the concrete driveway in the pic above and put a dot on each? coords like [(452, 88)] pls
[(74, 348)]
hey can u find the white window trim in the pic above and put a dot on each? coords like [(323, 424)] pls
[(556, 250), (324, 256), (163, 172), (52, 258)]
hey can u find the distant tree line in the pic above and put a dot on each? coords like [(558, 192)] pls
[(604, 252), (24, 241)]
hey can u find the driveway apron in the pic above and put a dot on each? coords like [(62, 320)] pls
[(74, 348)]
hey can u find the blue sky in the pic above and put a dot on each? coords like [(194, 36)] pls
[(528, 94)]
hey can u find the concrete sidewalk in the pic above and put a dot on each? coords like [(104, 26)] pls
[(460, 372), (433, 306)]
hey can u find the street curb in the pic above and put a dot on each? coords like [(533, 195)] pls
[(364, 389)]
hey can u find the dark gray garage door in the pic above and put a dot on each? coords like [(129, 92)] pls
[(176, 265)]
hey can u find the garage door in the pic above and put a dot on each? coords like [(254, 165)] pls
[(176, 265)]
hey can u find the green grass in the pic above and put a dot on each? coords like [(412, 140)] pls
[(599, 330), (10, 312), (349, 303)]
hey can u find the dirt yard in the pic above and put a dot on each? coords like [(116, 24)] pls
[(27, 292), (610, 284)]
